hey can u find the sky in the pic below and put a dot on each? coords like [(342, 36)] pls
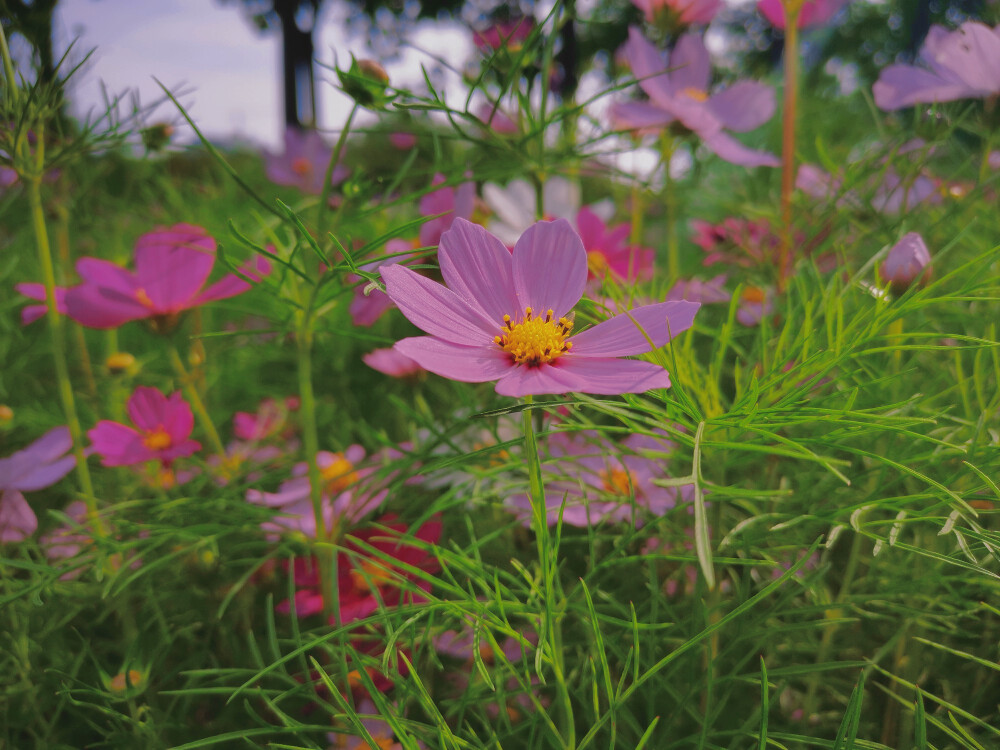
[(230, 73)]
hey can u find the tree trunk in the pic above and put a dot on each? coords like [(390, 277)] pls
[(297, 62)]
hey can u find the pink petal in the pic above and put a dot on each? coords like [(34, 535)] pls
[(972, 53), (477, 267), (147, 408), (726, 147), (436, 309), (468, 364), (101, 307), (613, 376), (231, 284), (522, 381), (391, 362), (690, 64), (118, 445), (641, 116), (649, 67), (106, 274), (17, 519), (171, 265), (177, 418), (901, 86), (744, 106), (627, 333), (40, 464), (550, 268)]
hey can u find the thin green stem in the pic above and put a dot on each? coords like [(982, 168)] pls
[(194, 398), (668, 146), (34, 185), (322, 210), (792, 9), (550, 637), (325, 555)]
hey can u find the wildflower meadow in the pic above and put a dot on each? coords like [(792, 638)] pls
[(638, 398)]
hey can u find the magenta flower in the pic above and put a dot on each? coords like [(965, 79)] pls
[(36, 291), (506, 34), (907, 262), (813, 13), (674, 14), (171, 267), (40, 465), (507, 317), (453, 202), (303, 163), (402, 140), (682, 95), (608, 251), (164, 427), (962, 64)]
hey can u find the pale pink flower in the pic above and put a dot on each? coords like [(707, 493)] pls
[(506, 316), (40, 465), (813, 13), (674, 14)]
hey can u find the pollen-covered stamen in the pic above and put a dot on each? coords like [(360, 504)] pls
[(143, 298), (157, 440), (697, 94), (617, 481), (535, 341)]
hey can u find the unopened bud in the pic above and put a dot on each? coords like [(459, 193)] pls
[(120, 362), (906, 263), (6, 414), (366, 82)]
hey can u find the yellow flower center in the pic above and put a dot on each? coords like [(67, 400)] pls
[(597, 263), (617, 482), (753, 294), (339, 475), (535, 341), (370, 572), (301, 166), (143, 298), (697, 94), (157, 440)]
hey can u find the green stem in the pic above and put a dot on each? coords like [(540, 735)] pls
[(325, 555), (792, 9), (668, 146), (324, 197), (550, 637), (34, 185), (187, 384)]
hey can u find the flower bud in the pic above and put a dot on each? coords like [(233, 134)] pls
[(120, 363), (126, 684), (366, 82), (6, 414), (906, 263)]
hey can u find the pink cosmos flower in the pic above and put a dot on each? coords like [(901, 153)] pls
[(454, 202), (496, 119), (962, 64), (682, 95), (40, 465), (678, 13), (506, 34), (907, 262), (891, 195), (303, 163), (379, 729), (755, 304), (507, 316), (608, 251), (36, 291), (346, 498), (164, 427), (813, 13), (598, 480), (390, 362), (66, 540), (171, 267)]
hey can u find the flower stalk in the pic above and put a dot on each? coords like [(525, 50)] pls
[(550, 637), (34, 189), (793, 8), (194, 398)]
